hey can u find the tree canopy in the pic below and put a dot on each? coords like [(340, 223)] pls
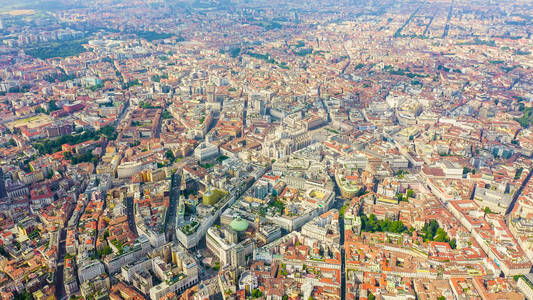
[(372, 224)]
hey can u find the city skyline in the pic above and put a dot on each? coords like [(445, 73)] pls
[(249, 149)]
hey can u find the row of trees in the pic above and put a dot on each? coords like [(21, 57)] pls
[(152, 35), (267, 58), (518, 173), (148, 105), (61, 77), (233, 52), (52, 146), (401, 197), (157, 78), (19, 89), (57, 49), (372, 224), (81, 158), (430, 232), (526, 119), (52, 106)]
